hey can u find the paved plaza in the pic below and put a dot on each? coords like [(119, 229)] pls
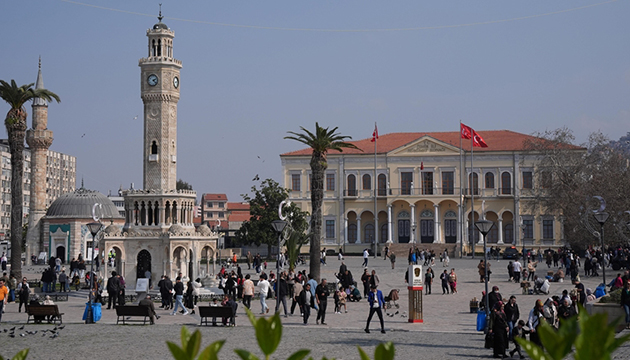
[(448, 330)]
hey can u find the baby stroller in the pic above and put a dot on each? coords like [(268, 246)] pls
[(390, 300)]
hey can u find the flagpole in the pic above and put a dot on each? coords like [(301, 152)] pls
[(461, 195), (472, 194), (375, 193)]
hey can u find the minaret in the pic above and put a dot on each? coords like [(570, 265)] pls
[(159, 88), (39, 139)]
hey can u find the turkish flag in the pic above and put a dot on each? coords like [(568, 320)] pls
[(466, 131), (478, 140), (375, 134)]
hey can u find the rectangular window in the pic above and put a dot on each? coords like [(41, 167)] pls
[(529, 229), (427, 183), (209, 215), (527, 180), (209, 205), (547, 229), (405, 183), (221, 205), (448, 183), (295, 182), (221, 214), (330, 182), (330, 229)]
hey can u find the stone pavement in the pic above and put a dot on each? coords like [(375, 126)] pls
[(448, 329)]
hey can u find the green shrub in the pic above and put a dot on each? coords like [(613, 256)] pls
[(614, 297)]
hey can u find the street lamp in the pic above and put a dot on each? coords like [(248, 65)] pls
[(413, 229), (278, 226), (523, 227), (601, 217), (94, 228), (484, 227)]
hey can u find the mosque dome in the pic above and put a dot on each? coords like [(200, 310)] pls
[(204, 230), (160, 25), (78, 204)]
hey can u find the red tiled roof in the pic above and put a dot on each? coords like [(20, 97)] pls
[(214, 197), (237, 206), (239, 217), (497, 140)]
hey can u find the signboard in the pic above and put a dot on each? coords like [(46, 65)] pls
[(416, 276), (142, 285)]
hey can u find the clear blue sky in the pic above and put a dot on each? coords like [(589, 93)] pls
[(243, 88)]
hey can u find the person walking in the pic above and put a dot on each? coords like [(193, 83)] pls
[(3, 261), (305, 301), (366, 255), (428, 280), (516, 269), (179, 296), (4, 294), (512, 314), (365, 279), (63, 281), (248, 291), (313, 287), (263, 287), (113, 290), (282, 292), (444, 278), (376, 302), (499, 328), (321, 296), (392, 259), (295, 298), (452, 281), (23, 291), (534, 320)]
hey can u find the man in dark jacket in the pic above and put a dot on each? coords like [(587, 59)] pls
[(376, 302), (166, 285), (113, 290), (283, 291), (179, 296), (321, 295), (304, 299)]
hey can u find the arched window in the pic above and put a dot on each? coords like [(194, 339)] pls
[(473, 184), (508, 233), (368, 234), (489, 180), (382, 185), (159, 48), (153, 48), (154, 148), (506, 183), (367, 182), (352, 233), (352, 185), (383, 237)]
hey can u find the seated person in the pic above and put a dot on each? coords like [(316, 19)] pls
[(48, 301), (35, 302), (229, 302), (149, 303), (558, 275), (214, 303)]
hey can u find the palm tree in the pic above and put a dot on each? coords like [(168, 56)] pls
[(15, 122), (321, 142)]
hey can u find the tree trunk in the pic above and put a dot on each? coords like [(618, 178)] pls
[(318, 168), (17, 132)]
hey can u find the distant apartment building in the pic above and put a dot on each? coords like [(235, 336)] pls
[(60, 178), (213, 209)]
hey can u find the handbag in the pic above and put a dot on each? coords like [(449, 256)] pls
[(489, 340)]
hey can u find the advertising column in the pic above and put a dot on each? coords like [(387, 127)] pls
[(415, 293)]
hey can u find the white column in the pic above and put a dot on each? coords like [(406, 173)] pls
[(413, 222), (358, 231), (345, 230), (436, 233), (389, 223), (500, 231)]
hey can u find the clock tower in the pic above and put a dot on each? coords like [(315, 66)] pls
[(159, 88)]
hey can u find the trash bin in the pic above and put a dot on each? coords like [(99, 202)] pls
[(96, 311), (481, 320)]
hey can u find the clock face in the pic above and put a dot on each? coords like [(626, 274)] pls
[(176, 82), (152, 80)]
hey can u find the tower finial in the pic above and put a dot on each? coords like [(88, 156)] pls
[(40, 62), (82, 187), (160, 17)]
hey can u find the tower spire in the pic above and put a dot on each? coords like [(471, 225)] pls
[(160, 17), (39, 84)]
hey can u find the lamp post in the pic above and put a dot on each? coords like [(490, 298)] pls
[(94, 227), (413, 229), (523, 227), (484, 227), (278, 226), (601, 217)]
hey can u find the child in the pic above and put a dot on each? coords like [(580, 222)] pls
[(518, 331)]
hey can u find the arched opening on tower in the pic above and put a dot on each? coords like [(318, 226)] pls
[(143, 264), (143, 214), (150, 213), (159, 48), (153, 49), (156, 214), (174, 212), (136, 213), (154, 148)]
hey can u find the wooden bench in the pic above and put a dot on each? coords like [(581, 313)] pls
[(52, 311), (206, 312), (127, 311)]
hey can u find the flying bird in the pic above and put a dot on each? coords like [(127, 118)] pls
[(136, 117), (256, 178), (83, 135)]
